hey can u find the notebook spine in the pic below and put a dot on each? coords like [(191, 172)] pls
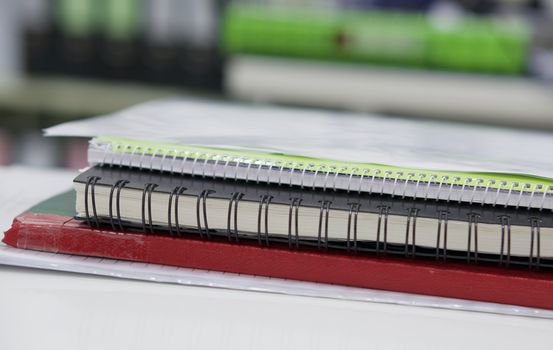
[(353, 244), (328, 177)]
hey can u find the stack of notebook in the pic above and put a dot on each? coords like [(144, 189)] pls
[(446, 210)]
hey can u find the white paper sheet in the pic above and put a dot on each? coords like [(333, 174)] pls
[(22, 187), (330, 135)]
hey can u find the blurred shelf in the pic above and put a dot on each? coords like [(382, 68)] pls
[(60, 98), (499, 100)]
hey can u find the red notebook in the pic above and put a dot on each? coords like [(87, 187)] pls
[(47, 227)]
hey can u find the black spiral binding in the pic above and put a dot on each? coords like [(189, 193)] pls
[(91, 182), (264, 202), (411, 232), (472, 238), (535, 240), (352, 244), (233, 204), (148, 189), (382, 226), (177, 191), (441, 234), (505, 252), (353, 213), (116, 186), (323, 216), (201, 203), (295, 204)]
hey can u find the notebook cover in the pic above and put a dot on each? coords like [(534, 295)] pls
[(50, 227)]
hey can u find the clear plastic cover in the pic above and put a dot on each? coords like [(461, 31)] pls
[(203, 278)]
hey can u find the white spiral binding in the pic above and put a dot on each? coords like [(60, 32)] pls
[(432, 177), (367, 181), (365, 171), (416, 191), (409, 177), (478, 182)]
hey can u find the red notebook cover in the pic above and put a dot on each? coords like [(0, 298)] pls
[(61, 233)]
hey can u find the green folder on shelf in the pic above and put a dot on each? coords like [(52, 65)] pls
[(403, 39)]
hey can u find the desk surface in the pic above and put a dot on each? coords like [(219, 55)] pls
[(45, 309), (42, 309)]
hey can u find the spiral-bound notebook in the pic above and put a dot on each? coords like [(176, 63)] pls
[(155, 202), (326, 150)]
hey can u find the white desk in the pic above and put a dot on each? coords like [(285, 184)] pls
[(45, 309)]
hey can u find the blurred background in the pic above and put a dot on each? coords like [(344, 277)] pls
[(484, 61)]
